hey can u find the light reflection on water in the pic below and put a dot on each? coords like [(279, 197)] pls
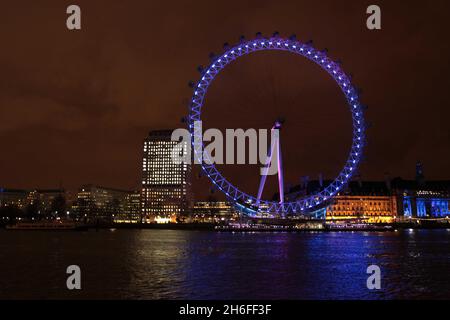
[(167, 264)]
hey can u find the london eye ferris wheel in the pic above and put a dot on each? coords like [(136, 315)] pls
[(253, 204)]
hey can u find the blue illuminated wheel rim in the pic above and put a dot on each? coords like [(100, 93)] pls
[(307, 203)]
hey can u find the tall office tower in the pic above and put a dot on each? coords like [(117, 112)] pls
[(165, 183)]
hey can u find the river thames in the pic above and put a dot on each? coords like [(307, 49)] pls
[(176, 264)]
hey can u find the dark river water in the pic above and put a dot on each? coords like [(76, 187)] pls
[(165, 264)]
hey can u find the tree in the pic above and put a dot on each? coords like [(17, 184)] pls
[(58, 206), (113, 209), (33, 209), (9, 213)]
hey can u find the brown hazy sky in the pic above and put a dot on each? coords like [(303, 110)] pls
[(76, 105)]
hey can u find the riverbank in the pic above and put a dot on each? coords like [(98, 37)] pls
[(244, 227), (293, 227), (166, 226)]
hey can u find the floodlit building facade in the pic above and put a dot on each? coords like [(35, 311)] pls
[(367, 201)]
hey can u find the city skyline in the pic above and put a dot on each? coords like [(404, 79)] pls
[(375, 202), (89, 110), (382, 176)]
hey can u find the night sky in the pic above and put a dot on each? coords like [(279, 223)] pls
[(75, 106)]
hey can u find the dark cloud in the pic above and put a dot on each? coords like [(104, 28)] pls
[(76, 105)]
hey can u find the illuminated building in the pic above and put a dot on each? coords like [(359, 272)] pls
[(34, 203), (13, 198), (44, 198), (131, 209), (428, 200), (383, 201), (368, 201), (100, 203), (165, 183), (214, 211), (420, 198)]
